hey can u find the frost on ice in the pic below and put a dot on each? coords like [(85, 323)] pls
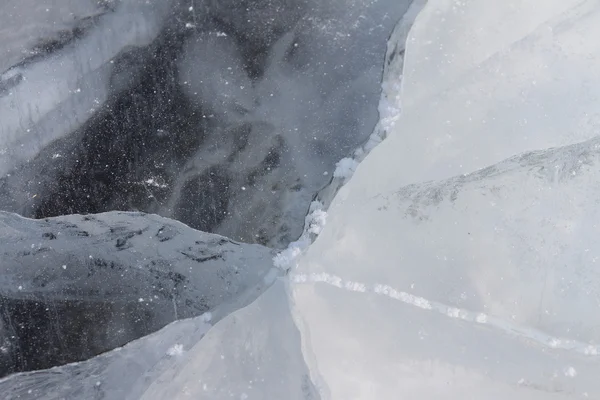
[(175, 350), (345, 168), (313, 225)]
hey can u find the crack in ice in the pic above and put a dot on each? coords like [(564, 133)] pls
[(508, 327)]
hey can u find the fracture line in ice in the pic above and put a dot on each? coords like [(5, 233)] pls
[(313, 225), (532, 334)]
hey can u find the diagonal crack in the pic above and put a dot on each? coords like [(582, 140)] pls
[(532, 334)]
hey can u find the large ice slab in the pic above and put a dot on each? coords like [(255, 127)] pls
[(124, 373), (226, 115), (482, 281), (75, 286), (252, 354), (460, 259), (533, 87)]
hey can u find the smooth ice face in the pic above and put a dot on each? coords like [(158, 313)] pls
[(443, 271), (253, 354), (76, 286), (124, 373), (485, 280), (29, 27), (75, 51), (226, 115), (468, 109)]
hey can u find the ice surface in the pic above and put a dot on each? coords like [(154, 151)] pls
[(303, 105), (121, 374), (473, 282), (443, 271), (30, 25), (459, 260), (38, 110), (534, 91), (76, 286), (255, 113), (252, 354), (389, 103)]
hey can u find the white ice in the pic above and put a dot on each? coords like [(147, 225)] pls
[(469, 283)]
